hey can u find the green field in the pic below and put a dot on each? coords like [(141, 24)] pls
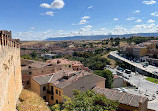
[(152, 80)]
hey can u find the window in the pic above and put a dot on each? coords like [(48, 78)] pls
[(52, 90), (44, 88), (56, 91), (44, 97), (56, 101), (59, 93), (30, 73), (77, 69), (52, 97), (69, 66)]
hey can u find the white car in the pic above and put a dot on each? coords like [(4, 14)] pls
[(124, 90), (119, 89)]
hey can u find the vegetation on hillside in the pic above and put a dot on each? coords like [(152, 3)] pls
[(93, 60), (30, 101), (86, 101)]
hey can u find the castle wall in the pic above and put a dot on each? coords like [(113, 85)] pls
[(10, 74)]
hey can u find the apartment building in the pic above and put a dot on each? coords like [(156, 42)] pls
[(67, 64), (52, 87), (143, 49)]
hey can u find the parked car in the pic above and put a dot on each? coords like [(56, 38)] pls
[(136, 89), (119, 73), (120, 69), (128, 71), (124, 90), (119, 89)]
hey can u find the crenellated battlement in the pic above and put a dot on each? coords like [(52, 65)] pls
[(6, 39)]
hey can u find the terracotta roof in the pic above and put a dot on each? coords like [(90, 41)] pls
[(124, 98), (59, 80)]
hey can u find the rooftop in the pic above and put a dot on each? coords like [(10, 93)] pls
[(61, 78), (63, 61), (124, 98)]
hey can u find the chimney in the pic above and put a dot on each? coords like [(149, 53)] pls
[(82, 73), (143, 105)]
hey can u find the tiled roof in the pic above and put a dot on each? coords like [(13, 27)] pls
[(123, 98), (43, 79)]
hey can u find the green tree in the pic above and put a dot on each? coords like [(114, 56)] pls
[(33, 55), (109, 78), (89, 101), (106, 74)]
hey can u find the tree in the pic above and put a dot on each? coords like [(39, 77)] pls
[(33, 55), (106, 74), (89, 101), (109, 78)]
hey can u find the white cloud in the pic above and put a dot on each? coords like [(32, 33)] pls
[(90, 7), (102, 29), (58, 4), (119, 30), (115, 19), (131, 18), (83, 22), (139, 20), (154, 14), (45, 5), (149, 2), (151, 21), (85, 17), (88, 26), (137, 11), (50, 13), (32, 28)]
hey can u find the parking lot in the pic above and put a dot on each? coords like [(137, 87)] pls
[(145, 88)]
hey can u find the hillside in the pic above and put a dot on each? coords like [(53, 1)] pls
[(30, 101)]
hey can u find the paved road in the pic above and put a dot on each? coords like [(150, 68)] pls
[(144, 87), (149, 69)]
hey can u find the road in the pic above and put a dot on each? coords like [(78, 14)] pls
[(149, 69)]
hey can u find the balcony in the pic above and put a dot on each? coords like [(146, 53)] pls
[(50, 92)]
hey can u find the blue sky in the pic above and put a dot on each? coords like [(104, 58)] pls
[(41, 19)]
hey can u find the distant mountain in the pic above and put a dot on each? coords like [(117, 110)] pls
[(100, 37)]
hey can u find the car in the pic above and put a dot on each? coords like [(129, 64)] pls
[(156, 92), (119, 73), (119, 89), (128, 71), (146, 94), (130, 75), (124, 90), (120, 69), (136, 89)]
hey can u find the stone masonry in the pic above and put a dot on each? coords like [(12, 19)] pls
[(10, 72)]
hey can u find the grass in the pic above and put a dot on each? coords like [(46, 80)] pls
[(152, 80), (30, 101), (113, 62)]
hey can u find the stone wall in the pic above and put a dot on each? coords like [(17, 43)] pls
[(10, 74)]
